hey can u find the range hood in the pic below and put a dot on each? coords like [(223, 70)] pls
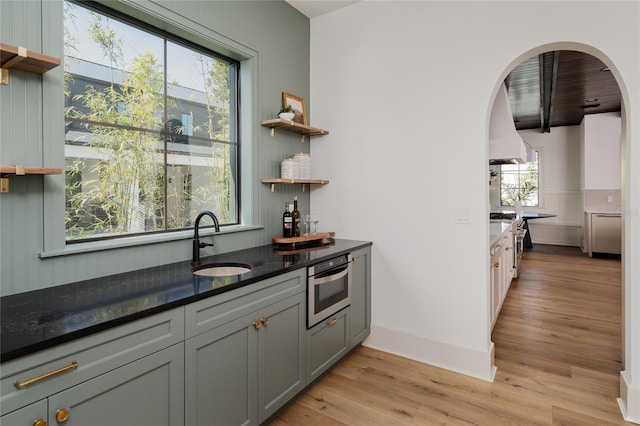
[(505, 144)]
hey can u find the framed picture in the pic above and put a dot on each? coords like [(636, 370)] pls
[(298, 107)]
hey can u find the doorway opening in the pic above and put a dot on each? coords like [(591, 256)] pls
[(558, 94)]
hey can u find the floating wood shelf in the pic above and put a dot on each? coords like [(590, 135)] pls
[(6, 171), (274, 181), (292, 126), (22, 170), (22, 59)]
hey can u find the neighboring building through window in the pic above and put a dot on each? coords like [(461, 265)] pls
[(520, 182), (151, 128)]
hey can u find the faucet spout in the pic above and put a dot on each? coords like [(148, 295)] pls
[(197, 245)]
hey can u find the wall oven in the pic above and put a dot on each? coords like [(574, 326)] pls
[(328, 288)]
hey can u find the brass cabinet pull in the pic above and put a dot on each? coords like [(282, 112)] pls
[(497, 265), (40, 422), (332, 321), (508, 248), (62, 415), (257, 324), (264, 321), (29, 382), (353, 259)]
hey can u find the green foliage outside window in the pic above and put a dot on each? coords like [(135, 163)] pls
[(519, 182), (130, 166)]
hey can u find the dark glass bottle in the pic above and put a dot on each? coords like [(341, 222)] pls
[(295, 214), (287, 222)]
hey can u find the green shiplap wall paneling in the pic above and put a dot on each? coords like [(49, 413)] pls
[(271, 39)]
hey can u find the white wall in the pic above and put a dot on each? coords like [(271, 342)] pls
[(405, 90)]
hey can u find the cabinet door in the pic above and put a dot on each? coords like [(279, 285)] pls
[(148, 391), (31, 415), (327, 342), (281, 354), (361, 295), (220, 375), (496, 286)]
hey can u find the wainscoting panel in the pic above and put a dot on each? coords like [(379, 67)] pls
[(559, 235), (566, 228)]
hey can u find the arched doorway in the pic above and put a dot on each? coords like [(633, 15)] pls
[(545, 123)]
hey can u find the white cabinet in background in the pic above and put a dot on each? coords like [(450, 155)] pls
[(502, 272)]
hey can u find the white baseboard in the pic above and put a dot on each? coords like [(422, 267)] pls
[(471, 362), (629, 401)]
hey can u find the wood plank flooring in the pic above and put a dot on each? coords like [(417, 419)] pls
[(558, 353)]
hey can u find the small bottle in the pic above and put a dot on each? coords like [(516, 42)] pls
[(295, 214), (287, 222)]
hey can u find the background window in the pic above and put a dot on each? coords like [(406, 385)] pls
[(151, 123), (520, 182)]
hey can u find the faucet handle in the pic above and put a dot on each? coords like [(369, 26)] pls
[(203, 245)]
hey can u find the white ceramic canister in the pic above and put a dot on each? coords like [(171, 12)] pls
[(289, 169), (304, 165)]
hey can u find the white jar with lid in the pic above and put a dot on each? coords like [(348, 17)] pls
[(289, 169), (304, 165)]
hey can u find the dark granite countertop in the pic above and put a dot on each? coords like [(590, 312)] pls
[(40, 319)]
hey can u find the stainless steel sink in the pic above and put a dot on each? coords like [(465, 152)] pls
[(221, 269)]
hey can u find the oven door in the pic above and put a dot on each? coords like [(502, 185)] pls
[(328, 292)]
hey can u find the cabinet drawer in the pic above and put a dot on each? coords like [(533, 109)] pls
[(327, 342), (94, 354), (217, 310)]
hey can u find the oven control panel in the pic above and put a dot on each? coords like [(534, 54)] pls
[(327, 265)]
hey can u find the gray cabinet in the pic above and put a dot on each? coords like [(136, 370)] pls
[(360, 324), (250, 361), (327, 342), (231, 359), (34, 414), (148, 391), (131, 374)]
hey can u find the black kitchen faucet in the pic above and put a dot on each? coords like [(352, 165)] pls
[(197, 245)]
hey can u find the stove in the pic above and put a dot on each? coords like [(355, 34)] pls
[(519, 232)]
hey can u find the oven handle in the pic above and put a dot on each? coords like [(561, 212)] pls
[(333, 277)]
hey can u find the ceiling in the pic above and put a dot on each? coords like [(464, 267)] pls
[(549, 90), (558, 88)]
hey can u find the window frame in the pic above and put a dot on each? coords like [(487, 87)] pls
[(54, 241), (540, 182), (235, 118)]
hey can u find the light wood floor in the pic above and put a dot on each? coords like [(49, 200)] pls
[(558, 353)]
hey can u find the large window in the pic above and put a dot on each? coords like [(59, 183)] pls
[(520, 182), (151, 128)]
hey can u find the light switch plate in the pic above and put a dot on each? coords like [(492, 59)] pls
[(463, 215)]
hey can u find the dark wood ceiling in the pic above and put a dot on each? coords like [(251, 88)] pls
[(558, 88)]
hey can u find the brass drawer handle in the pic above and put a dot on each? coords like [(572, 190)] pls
[(332, 321), (264, 321), (29, 382), (257, 324)]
